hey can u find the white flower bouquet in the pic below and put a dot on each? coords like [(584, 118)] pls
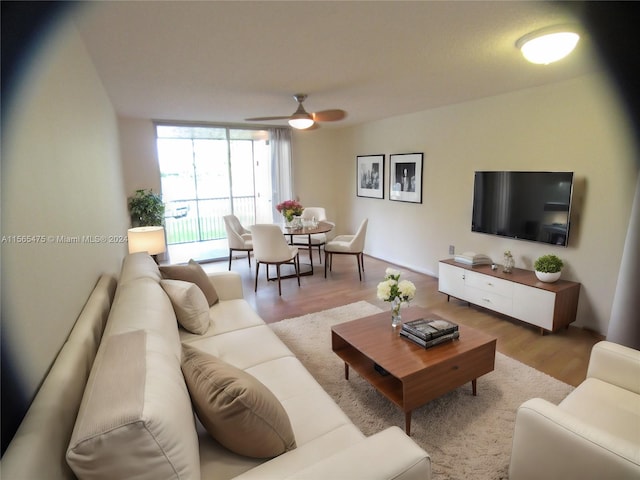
[(392, 289)]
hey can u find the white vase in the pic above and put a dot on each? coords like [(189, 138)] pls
[(548, 277)]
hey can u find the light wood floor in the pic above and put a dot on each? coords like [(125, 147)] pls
[(563, 355)]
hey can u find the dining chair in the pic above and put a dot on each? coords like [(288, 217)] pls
[(271, 248), (317, 239), (239, 238), (349, 245)]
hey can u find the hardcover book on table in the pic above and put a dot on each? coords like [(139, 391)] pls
[(429, 328), (430, 343)]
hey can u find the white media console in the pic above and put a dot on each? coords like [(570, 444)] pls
[(549, 306)]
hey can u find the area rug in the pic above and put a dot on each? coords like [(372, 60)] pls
[(466, 437)]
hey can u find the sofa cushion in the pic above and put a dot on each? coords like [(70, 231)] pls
[(189, 303), (143, 305), (226, 316), (235, 408), (244, 348), (135, 420), (192, 272), (138, 265)]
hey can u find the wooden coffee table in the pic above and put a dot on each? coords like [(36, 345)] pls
[(415, 375)]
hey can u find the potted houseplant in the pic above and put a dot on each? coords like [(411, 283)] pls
[(146, 209), (548, 268)]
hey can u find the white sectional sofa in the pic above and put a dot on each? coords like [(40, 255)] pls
[(594, 433), (134, 417)]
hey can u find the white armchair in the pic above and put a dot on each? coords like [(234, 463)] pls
[(594, 433), (347, 244), (239, 238)]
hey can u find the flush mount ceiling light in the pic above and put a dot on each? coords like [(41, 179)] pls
[(549, 44)]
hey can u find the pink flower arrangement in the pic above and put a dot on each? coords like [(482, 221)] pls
[(289, 208)]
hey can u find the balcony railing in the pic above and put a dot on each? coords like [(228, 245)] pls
[(202, 220)]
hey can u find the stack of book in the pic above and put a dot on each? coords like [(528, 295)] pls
[(429, 332), (473, 259)]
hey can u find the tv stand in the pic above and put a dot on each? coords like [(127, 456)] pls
[(549, 306)]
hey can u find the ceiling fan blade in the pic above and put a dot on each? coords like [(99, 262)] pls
[(329, 115), (260, 119)]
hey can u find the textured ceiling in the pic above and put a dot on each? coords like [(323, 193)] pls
[(225, 61)]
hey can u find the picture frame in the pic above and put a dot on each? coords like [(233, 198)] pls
[(405, 177), (370, 176)]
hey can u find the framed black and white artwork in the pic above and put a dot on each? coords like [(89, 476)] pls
[(405, 177), (370, 176)]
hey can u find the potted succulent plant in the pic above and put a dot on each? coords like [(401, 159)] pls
[(146, 209), (548, 268)]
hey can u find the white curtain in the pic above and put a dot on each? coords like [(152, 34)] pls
[(624, 325), (281, 167)]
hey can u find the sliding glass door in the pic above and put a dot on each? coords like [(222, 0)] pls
[(209, 172)]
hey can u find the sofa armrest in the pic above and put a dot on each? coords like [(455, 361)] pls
[(549, 442), (615, 364), (389, 454), (228, 285)]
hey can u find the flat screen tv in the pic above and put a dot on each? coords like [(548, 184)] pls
[(533, 206)]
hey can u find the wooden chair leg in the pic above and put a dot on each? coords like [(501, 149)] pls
[(362, 260), (359, 273), (248, 258), (268, 277), (296, 263), (230, 254), (257, 269), (278, 272), (326, 261)]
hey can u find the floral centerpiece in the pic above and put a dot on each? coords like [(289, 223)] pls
[(391, 289), (290, 209)]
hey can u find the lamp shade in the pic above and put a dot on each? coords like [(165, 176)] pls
[(548, 45), (146, 239)]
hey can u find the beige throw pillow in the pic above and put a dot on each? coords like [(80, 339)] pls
[(189, 303), (236, 409), (192, 272)]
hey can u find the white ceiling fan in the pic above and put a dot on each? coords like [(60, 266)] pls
[(301, 119)]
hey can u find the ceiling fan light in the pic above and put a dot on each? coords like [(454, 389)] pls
[(301, 121), (548, 44)]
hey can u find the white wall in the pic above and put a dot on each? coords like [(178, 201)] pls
[(61, 176), (139, 155), (575, 126), (322, 173)]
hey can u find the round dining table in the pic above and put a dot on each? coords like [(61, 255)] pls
[(320, 227)]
